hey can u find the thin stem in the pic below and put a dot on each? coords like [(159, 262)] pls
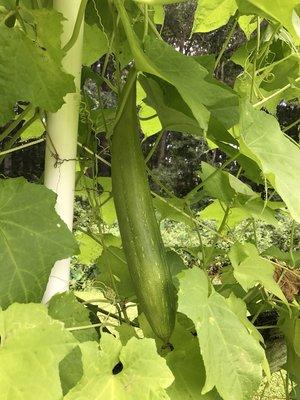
[(77, 26), (17, 135), (107, 313), (154, 147), (225, 44), (292, 243), (254, 232), (110, 45), (266, 327), (79, 328), (291, 125), (283, 89), (92, 153), (16, 122), (255, 60), (146, 22), (150, 22), (194, 220), (23, 146)]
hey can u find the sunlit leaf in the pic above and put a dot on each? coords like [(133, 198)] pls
[(142, 373), (32, 345), (250, 269), (232, 357)]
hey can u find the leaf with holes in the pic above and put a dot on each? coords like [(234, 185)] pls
[(32, 345), (113, 372)]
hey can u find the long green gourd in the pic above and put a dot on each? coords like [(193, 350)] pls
[(142, 242)]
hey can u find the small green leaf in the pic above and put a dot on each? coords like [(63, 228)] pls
[(211, 14), (172, 209), (172, 111), (67, 309), (247, 25), (95, 44), (90, 250), (114, 272), (250, 269), (232, 357)]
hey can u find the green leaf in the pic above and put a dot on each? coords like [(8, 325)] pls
[(232, 358), (238, 306), (95, 44), (203, 95), (289, 323), (39, 78), (251, 269), (172, 209), (66, 308), (288, 257), (114, 272), (143, 376), (159, 14), (90, 250), (262, 140), (175, 262), (211, 14), (107, 205), (187, 366), (246, 25), (32, 238), (149, 121), (32, 345), (172, 111), (222, 185), (280, 11), (216, 211), (34, 131)]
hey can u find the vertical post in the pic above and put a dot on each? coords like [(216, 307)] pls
[(62, 128)]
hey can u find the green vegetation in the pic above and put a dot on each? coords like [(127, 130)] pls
[(165, 143)]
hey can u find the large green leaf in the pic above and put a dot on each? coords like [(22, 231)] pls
[(203, 95), (32, 345), (39, 78), (32, 238), (232, 357), (278, 10), (250, 269), (279, 159), (211, 14), (134, 371)]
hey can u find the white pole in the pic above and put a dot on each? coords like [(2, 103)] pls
[(61, 141)]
